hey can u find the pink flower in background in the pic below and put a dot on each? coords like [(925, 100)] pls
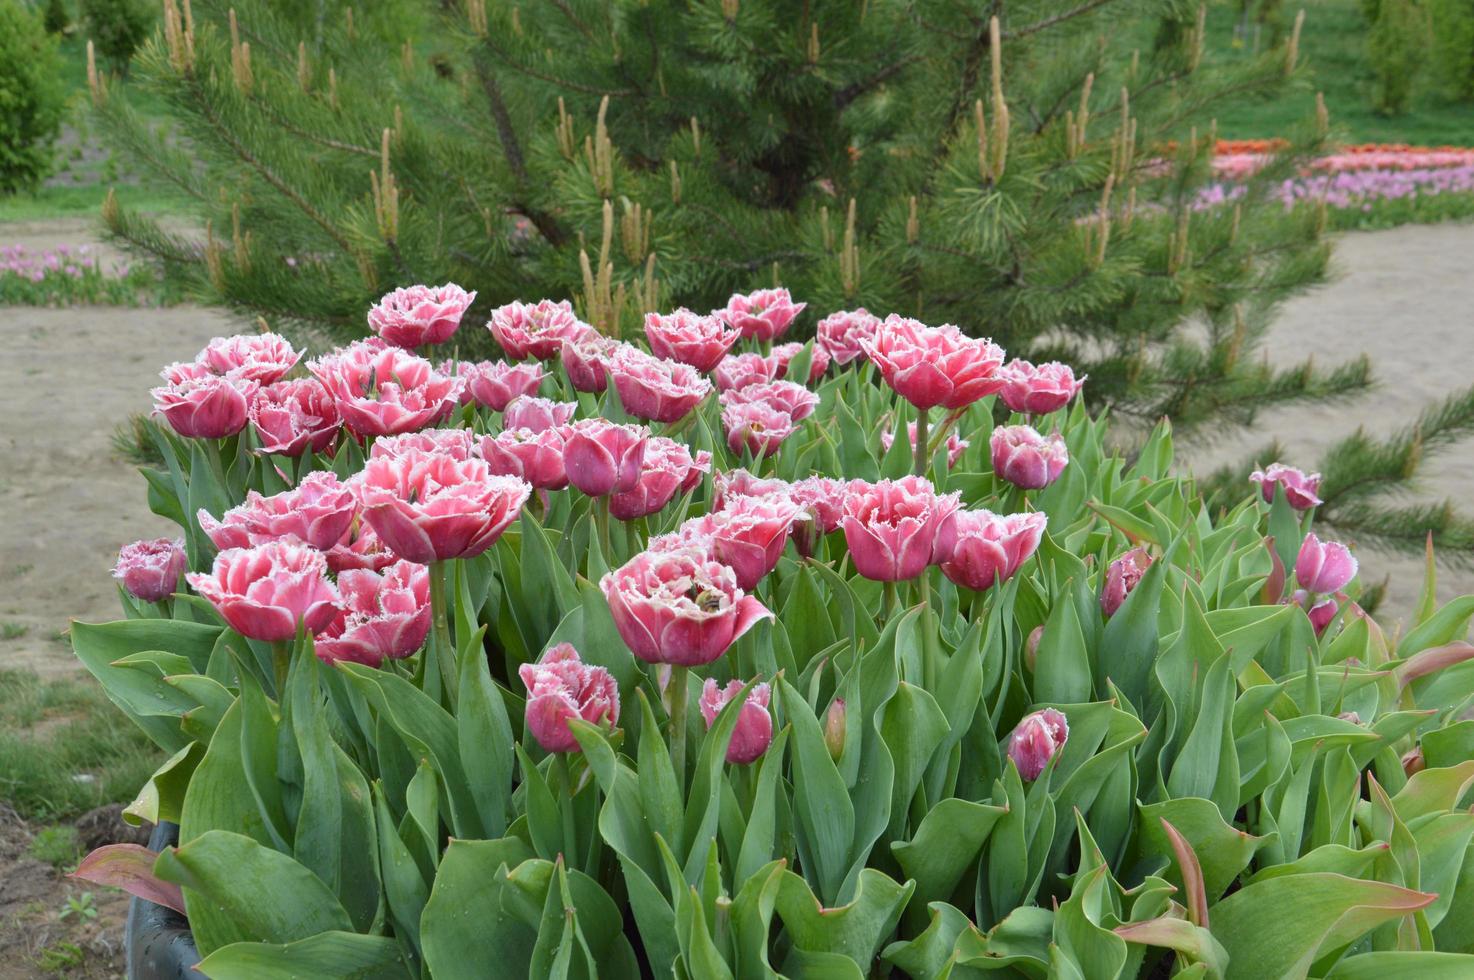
[(210, 407), (265, 592), (700, 467), (783, 355), (1122, 575), (586, 361), (150, 570), (763, 314), (656, 390), (259, 357), (381, 617), (679, 607), (359, 548), (317, 512), (536, 457), (740, 370), (561, 687), (754, 731), (990, 548), (666, 469), (843, 335), (428, 507), (727, 484), (182, 371), (537, 414), (1038, 390), (1025, 458), (419, 315), (931, 366), (795, 401), (294, 417), (1037, 739), (895, 528), (955, 446), (455, 443), (700, 341), (824, 498), (1323, 567), (748, 535), (1300, 487), (382, 391), (535, 330), (494, 384), (602, 457), (756, 428)]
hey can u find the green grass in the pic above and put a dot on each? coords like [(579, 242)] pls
[(85, 201), (1333, 46), (64, 748), (57, 846)]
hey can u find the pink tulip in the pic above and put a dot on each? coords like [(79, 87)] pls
[(537, 414), (382, 391), (535, 330), (763, 314), (182, 371), (955, 446), (843, 335), (700, 341), (653, 389), (494, 384), (824, 499), (1025, 458), (317, 512), (990, 548), (754, 731), (666, 469), (561, 687), (428, 507), (1037, 739), (1122, 575), (894, 528), (259, 357), (1323, 567), (294, 417), (931, 366), (602, 457), (536, 457), (209, 407), (679, 607), (455, 443), (265, 592), (748, 535), (1320, 613), (783, 355), (795, 401), (1038, 390), (359, 548), (420, 315), (586, 361), (727, 484), (150, 570), (1300, 488), (740, 370), (382, 616), (756, 428), (700, 467)]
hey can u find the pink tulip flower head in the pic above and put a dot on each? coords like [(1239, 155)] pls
[(211, 406), (1323, 567), (360, 548), (536, 457), (294, 417), (560, 688), (955, 446), (1025, 458), (1038, 389), (653, 389), (455, 443), (586, 361), (382, 391), (754, 731), (266, 592), (727, 484), (783, 355), (1038, 738), (822, 502), (602, 457), (535, 330), (494, 384), (317, 512), (1122, 575), (741, 370), (383, 616), (537, 414), (667, 469), (700, 341), (429, 507), (1320, 613), (679, 607), (843, 336), (748, 535), (931, 366), (896, 528), (990, 548), (793, 400), (150, 570), (418, 316), (259, 357), (1300, 488), (756, 428), (763, 315)]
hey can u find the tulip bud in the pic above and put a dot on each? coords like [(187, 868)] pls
[(1323, 567), (1036, 740), (1350, 716), (1121, 577), (1031, 647), (834, 728), (150, 570), (753, 732), (1413, 762)]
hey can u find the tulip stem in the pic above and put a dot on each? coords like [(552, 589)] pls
[(601, 520), (678, 696), (281, 662), (444, 651), (921, 452), (888, 605)]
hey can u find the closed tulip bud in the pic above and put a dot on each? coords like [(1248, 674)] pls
[(1027, 459), (1031, 647), (1300, 488), (1037, 740), (561, 687), (150, 570), (1121, 577), (1038, 389), (602, 457), (1323, 567), (1413, 762), (754, 731), (834, 733)]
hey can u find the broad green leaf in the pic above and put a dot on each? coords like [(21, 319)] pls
[(327, 955)]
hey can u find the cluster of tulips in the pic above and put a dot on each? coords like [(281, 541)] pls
[(619, 659)]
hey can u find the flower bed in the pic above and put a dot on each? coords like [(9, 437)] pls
[(64, 276), (599, 663)]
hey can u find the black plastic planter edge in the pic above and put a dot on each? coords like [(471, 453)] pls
[(158, 941)]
